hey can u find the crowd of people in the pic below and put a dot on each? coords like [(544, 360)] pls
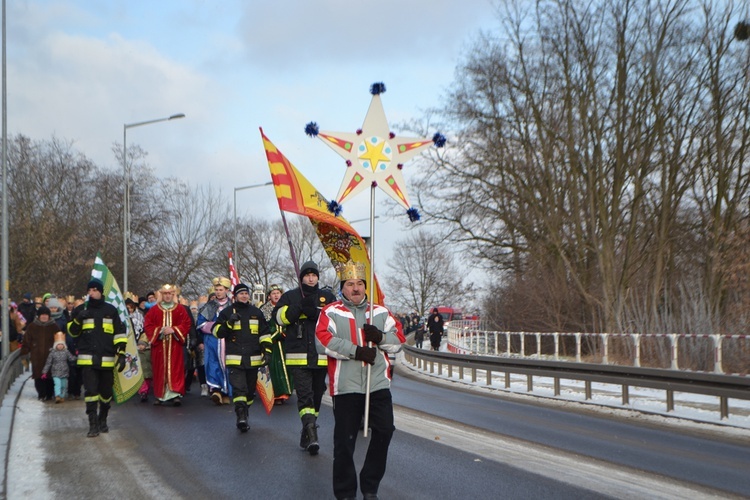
[(309, 338)]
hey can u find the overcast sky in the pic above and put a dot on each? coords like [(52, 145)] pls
[(79, 70)]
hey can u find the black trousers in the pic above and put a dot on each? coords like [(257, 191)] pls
[(348, 410), (97, 383), (310, 385), (75, 379), (243, 382), (45, 388)]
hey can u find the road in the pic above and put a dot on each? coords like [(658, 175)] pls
[(448, 444)]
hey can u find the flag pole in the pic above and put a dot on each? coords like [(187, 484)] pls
[(371, 298), (291, 251)]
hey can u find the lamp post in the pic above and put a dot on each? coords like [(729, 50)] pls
[(234, 249), (4, 318), (126, 196)]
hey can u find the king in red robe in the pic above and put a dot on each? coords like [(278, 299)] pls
[(166, 327)]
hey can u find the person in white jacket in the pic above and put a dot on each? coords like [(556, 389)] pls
[(352, 340)]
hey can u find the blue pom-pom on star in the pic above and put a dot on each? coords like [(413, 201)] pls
[(438, 139), (334, 208), (377, 88), (311, 129), (413, 214)]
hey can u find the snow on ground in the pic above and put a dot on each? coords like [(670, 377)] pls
[(26, 474), (608, 397)]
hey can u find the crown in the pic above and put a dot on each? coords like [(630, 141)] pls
[(170, 288), (351, 271), (221, 280)]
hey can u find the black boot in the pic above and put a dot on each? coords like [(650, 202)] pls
[(312, 438), (93, 420), (303, 439), (241, 411), (103, 411)]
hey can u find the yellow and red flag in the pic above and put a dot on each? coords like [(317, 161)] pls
[(297, 195)]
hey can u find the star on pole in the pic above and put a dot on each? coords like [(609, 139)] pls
[(374, 155)]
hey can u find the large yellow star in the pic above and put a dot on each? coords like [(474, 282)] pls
[(374, 154)]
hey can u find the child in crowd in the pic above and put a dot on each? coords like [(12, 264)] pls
[(57, 365)]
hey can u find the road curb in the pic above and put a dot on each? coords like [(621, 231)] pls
[(7, 417)]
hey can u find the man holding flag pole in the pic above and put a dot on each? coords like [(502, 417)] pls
[(102, 338), (345, 331)]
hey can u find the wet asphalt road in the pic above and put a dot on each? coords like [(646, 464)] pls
[(448, 444)]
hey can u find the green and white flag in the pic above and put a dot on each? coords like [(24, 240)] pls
[(130, 379)]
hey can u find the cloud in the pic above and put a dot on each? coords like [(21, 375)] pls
[(294, 35)]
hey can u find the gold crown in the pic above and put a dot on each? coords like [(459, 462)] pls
[(351, 271), (170, 288), (221, 280)]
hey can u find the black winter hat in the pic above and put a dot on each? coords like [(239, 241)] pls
[(95, 284), (307, 268), (43, 310), (240, 287)]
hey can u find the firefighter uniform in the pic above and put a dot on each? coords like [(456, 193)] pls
[(102, 338), (248, 347), (297, 312)]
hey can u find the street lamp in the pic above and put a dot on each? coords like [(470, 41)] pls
[(236, 257), (126, 200)]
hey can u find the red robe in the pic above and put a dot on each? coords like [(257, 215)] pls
[(167, 354)]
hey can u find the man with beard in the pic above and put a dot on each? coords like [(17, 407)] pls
[(212, 347), (166, 326)]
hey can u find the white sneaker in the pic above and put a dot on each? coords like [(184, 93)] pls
[(204, 390)]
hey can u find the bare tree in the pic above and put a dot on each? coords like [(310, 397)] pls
[(426, 275), (601, 146), (58, 217), (189, 235)]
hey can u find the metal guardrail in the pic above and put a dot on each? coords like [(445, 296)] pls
[(713, 353), (722, 386), (10, 369)]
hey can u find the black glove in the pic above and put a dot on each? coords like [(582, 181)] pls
[(366, 354), (83, 314), (372, 334), (234, 318), (266, 359), (309, 306), (121, 362)]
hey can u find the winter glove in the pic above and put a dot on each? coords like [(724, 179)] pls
[(45, 376), (234, 319), (83, 314), (372, 334), (266, 359), (121, 362), (366, 354), (309, 306)]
